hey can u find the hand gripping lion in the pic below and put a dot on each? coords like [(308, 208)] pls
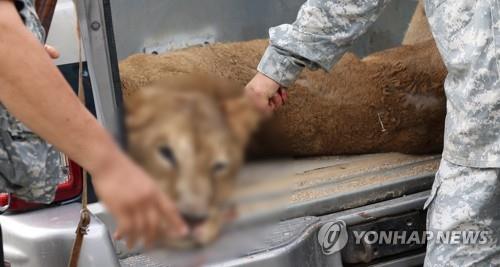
[(189, 123)]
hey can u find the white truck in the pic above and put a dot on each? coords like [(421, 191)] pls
[(328, 199)]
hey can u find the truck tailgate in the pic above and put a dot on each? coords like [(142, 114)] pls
[(280, 204), (292, 188)]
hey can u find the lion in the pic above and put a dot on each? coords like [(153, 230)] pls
[(189, 133), (189, 123)]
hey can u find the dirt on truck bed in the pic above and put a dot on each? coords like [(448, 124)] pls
[(273, 186)]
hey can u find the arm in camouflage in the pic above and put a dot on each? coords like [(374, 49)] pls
[(322, 33)]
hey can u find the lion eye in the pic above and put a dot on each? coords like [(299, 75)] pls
[(167, 154), (219, 167)]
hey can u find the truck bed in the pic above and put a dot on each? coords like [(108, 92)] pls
[(290, 188), (279, 200)]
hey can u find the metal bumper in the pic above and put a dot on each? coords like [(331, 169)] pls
[(45, 238), (289, 243)]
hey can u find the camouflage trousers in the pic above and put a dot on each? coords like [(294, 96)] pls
[(30, 168), (464, 199)]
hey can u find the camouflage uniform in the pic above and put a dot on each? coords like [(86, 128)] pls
[(29, 167), (464, 199), (466, 192)]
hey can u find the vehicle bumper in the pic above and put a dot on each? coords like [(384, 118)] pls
[(45, 238)]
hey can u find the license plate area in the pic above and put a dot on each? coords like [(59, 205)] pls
[(385, 237)]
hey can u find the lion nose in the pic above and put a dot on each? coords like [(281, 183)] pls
[(194, 219)]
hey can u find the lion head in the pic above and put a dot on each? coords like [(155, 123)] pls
[(190, 134)]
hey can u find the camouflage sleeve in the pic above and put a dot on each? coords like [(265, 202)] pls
[(26, 9), (322, 33)]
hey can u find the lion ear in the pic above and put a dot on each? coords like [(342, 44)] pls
[(139, 109), (243, 118)]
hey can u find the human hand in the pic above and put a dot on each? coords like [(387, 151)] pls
[(53, 53), (141, 210), (62, 120), (266, 94)]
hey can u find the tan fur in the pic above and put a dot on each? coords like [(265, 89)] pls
[(389, 101), (205, 126), (419, 29)]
